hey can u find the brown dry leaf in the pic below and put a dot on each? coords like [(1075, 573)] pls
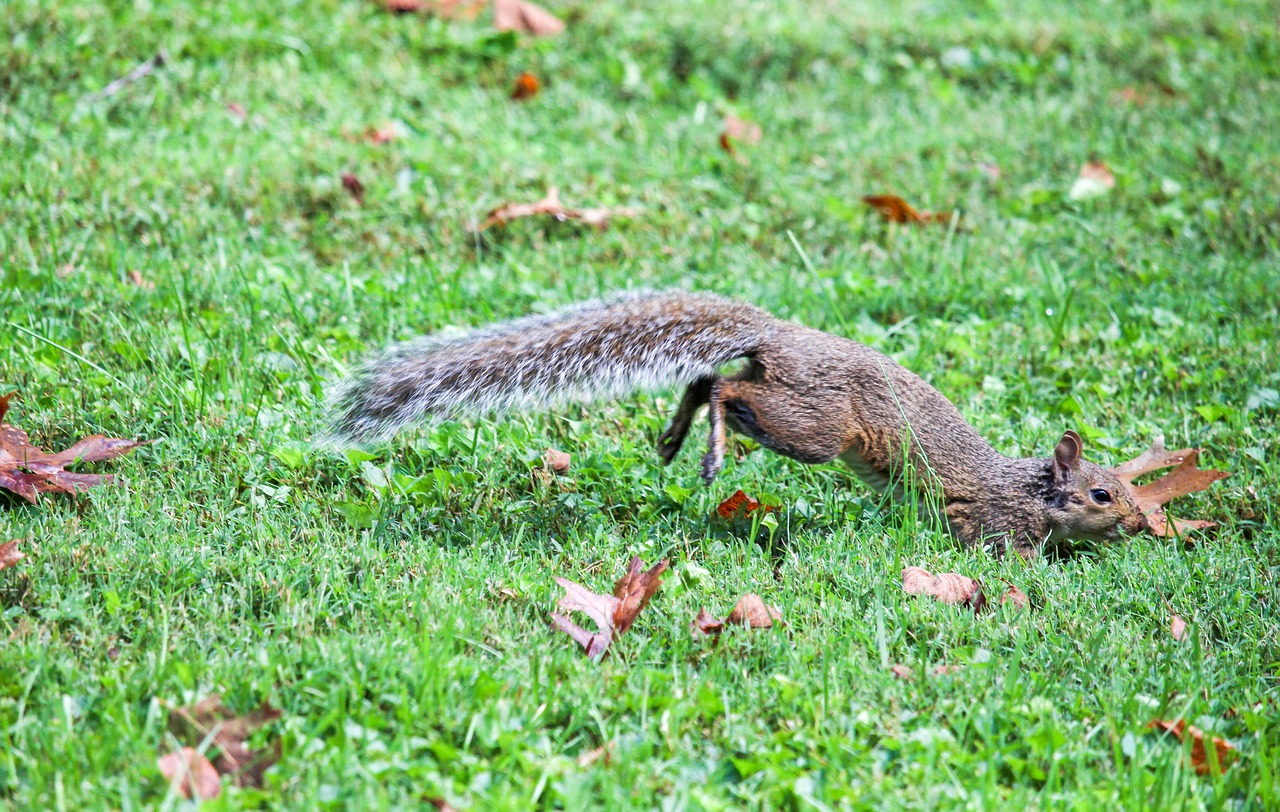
[(896, 210), (27, 470), (441, 805), (902, 672), (1016, 597), (551, 205), (1178, 628), (404, 6), (10, 554), (556, 461), (353, 186), (944, 670), (947, 587), (237, 111), (4, 404), (1095, 179), (751, 610), (706, 623), (525, 17), (1185, 479), (527, 86), (1224, 751), (190, 774), (611, 614), (230, 731)]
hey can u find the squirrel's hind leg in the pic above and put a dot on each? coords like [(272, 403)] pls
[(695, 397), (713, 460)]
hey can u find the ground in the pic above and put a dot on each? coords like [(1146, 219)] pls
[(181, 262)]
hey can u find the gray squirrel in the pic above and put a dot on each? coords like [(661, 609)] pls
[(803, 393)]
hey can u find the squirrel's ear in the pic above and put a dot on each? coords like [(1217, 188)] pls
[(1066, 456)]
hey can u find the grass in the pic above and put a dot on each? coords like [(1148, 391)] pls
[(395, 607)]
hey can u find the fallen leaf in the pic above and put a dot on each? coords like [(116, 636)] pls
[(751, 610), (458, 9), (944, 670), (1151, 497), (135, 277), (1094, 180), (738, 131), (896, 210), (604, 751), (237, 111), (739, 505), (707, 623), (441, 805), (527, 86), (947, 587), (902, 672), (27, 470), (1224, 751), (611, 614), (229, 731), (190, 774), (1015, 596), (10, 554), (380, 135), (4, 404), (551, 205), (556, 461), (404, 6), (353, 186), (525, 17), (1178, 628)]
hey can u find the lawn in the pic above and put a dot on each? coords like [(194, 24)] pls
[(180, 261)]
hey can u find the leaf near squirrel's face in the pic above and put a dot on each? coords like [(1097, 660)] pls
[(1151, 497)]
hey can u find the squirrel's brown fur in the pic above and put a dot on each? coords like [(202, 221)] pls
[(803, 393)]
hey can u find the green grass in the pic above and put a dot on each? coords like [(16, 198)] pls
[(365, 597)]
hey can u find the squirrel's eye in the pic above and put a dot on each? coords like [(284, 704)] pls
[(1101, 496)]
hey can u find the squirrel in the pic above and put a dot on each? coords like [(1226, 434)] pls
[(803, 393)]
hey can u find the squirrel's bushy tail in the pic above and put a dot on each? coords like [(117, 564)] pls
[(598, 349)]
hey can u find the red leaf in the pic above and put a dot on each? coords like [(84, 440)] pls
[(353, 186)]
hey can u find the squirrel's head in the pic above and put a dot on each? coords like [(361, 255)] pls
[(1087, 501)]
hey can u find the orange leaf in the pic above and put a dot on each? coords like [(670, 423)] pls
[(896, 210), (751, 610), (527, 86), (4, 404), (525, 17), (10, 554), (947, 587), (1224, 751), (739, 505), (190, 774)]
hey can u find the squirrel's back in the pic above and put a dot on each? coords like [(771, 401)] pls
[(598, 349)]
